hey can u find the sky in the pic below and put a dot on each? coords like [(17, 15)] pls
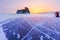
[(35, 6)]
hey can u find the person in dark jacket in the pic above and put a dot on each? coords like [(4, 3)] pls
[(57, 14)]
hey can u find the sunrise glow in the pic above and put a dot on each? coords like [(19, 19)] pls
[(35, 6)]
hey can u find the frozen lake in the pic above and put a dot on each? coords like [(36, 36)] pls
[(29, 27)]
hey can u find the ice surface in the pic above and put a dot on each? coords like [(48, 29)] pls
[(2, 34), (11, 16), (18, 36), (29, 27)]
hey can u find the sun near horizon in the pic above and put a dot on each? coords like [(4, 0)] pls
[(42, 9)]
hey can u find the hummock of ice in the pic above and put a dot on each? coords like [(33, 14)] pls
[(29, 27)]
